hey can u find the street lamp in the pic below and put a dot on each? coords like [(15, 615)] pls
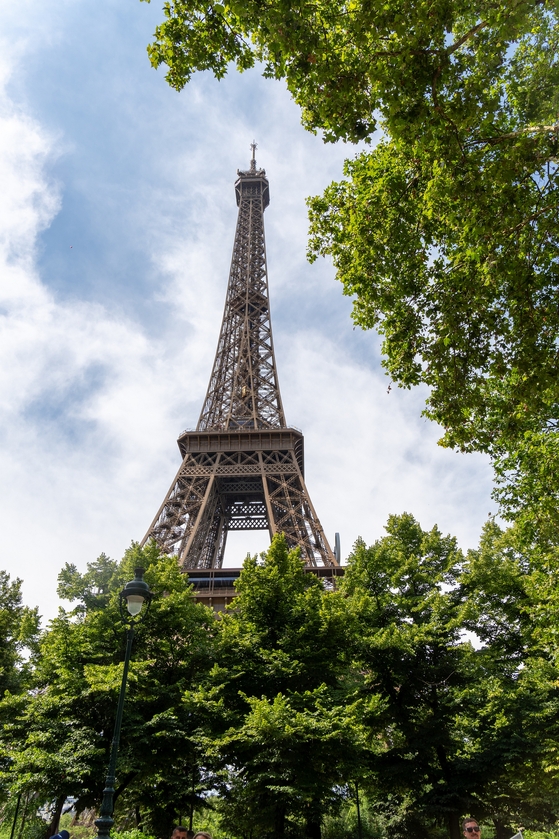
[(133, 596)]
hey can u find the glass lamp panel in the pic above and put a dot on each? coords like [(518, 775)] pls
[(134, 603)]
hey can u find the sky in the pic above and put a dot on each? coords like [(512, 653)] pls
[(117, 217)]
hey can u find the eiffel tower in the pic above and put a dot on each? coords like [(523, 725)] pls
[(243, 466)]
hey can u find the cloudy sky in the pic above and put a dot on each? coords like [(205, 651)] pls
[(117, 215)]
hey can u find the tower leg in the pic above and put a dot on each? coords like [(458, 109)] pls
[(259, 485)]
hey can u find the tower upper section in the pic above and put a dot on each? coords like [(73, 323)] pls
[(251, 184), (244, 390)]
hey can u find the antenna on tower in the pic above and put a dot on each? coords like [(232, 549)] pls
[(338, 549), (253, 148)]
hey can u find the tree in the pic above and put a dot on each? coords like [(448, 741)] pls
[(417, 667), (513, 612), (446, 232), (464, 729), (281, 724), (19, 630), (59, 735)]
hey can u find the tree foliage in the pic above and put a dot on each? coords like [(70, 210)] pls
[(511, 594), (429, 680), (285, 732), (59, 735), (463, 727), (19, 630)]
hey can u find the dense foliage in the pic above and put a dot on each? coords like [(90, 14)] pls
[(287, 729), (457, 717), (428, 682), (445, 233), (57, 736)]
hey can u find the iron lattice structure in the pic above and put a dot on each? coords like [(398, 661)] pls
[(243, 467)]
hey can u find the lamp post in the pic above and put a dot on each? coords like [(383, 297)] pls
[(133, 596)]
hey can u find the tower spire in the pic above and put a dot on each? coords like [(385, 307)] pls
[(243, 467), (253, 148), (243, 391)]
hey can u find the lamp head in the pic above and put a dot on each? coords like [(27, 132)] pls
[(135, 594)]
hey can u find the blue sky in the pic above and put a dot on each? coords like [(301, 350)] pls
[(116, 226)]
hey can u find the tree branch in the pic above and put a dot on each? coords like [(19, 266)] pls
[(533, 217), (127, 779), (466, 37), (512, 135)]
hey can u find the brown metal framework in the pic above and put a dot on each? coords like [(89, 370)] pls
[(243, 467)]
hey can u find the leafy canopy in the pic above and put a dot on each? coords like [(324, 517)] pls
[(281, 725), (19, 629), (57, 737), (270, 715), (464, 728)]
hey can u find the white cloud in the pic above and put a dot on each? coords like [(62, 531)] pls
[(80, 392)]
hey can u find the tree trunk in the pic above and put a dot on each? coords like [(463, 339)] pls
[(53, 827), (24, 816), (279, 822), (502, 830), (128, 778), (453, 822), (312, 828), (14, 823)]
